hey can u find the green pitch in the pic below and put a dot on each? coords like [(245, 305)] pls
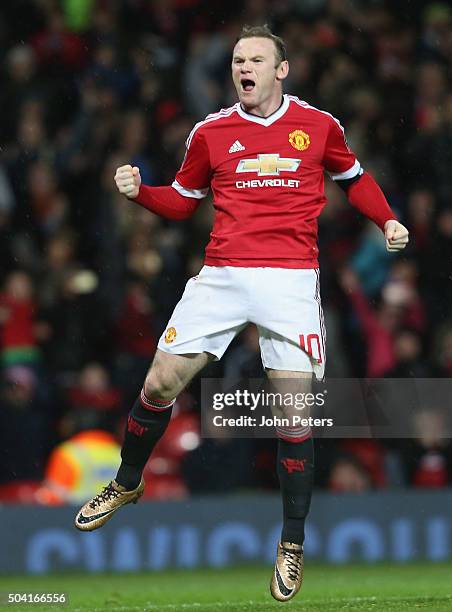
[(388, 588)]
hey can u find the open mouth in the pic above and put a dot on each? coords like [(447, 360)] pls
[(247, 85)]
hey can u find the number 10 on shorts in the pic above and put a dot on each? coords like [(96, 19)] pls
[(311, 345)]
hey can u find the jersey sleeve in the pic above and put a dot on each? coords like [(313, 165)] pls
[(339, 160), (193, 177)]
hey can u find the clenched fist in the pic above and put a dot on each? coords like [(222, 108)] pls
[(396, 235), (128, 180)]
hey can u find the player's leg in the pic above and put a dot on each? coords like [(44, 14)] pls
[(210, 313), (150, 415), (295, 469), (289, 317), (146, 424)]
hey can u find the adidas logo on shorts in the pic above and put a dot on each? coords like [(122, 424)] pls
[(237, 146)]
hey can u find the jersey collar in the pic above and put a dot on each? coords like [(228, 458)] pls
[(265, 121)]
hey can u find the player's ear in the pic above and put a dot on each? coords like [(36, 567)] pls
[(282, 70)]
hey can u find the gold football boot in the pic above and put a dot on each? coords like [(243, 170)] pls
[(101, 508), (288, 574)]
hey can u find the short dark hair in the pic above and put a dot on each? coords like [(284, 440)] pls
[(265, 32)]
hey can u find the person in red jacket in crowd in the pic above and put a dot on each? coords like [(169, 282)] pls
[(19, 330)]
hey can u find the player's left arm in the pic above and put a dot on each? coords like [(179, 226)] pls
[(365, 195), (362, 191)]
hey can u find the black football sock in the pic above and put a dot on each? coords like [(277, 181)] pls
[(146, 424), (295, 467)]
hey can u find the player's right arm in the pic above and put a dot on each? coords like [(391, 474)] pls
[(163, 201), (181, 199)]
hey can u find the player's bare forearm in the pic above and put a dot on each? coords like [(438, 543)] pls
[(366, 196)]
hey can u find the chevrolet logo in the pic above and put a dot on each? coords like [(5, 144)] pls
[(268, 164)]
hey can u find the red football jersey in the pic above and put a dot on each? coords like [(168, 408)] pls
[(266, 176)]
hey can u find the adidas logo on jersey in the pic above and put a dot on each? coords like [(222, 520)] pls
[(237, 146)]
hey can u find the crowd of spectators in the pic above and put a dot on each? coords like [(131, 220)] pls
[(88, 279)]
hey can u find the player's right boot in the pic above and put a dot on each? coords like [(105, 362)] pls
[(98, 510), (288, 573)]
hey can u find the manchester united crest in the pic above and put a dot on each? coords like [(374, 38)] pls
[(170, 335), (299, 140)]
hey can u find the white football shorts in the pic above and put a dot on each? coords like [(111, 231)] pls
[(283, 303)]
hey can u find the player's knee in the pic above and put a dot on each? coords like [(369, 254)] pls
[(161, 384)]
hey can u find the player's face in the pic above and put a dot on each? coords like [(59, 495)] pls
[(257, 75)]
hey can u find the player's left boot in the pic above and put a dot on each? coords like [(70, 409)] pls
[(288, 574)]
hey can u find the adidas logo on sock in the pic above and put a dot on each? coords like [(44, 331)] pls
[(237, 146)]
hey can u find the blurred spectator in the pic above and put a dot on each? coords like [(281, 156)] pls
[(89, 454), (386, 346), (49, 206), (20, 83), (18, 327), (348, 476), (442, 350), (58, 260), (377, 326), (76, 335), (371, 455), (371, 261), (92, 402), (437, 32), (26, 425), (55, 45), (428, 457), (421, 207), (401, 290), (136, 339), (409, 356)]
